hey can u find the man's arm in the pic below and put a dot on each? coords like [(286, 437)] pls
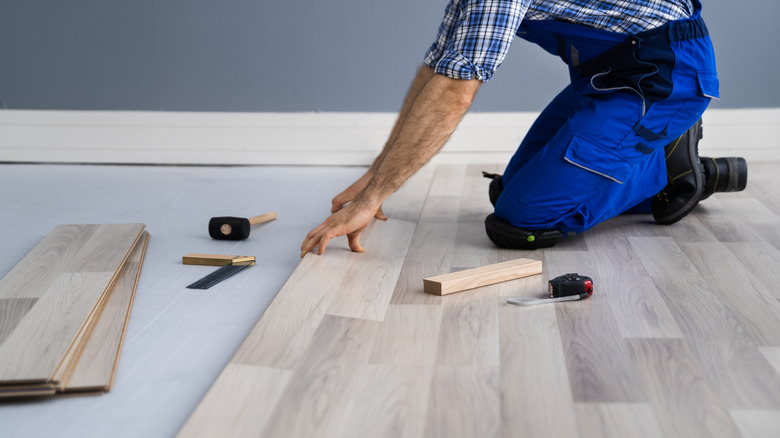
[(424, 74), (432, 117)]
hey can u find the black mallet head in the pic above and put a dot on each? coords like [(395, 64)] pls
[(229, 228), (236, 228)]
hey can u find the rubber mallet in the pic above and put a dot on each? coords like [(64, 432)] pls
[(236, 228)]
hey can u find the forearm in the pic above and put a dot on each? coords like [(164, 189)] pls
[(424, 74), (430, 120)]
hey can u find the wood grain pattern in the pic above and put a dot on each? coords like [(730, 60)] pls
[(757, 424), (729, 357), (596, 354), (408, 336), (636, 303), (617, 420), (753, 306), (241, 401), (34, 351), (724, 224), (388, 401), (684, 402), (12, 311), (315, 402), (679, 338), (464, 402), (469, 332), (31, 277), (762, 260), (536, 395), (466, 279), (432, 246), (365, 294)]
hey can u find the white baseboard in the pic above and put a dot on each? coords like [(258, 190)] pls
[(306, 138)]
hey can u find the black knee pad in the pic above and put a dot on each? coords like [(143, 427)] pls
[(506, 235)]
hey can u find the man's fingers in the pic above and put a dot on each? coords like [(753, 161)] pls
[(322, 244), (354, 242)]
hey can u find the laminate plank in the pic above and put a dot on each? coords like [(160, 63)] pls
[(36, 347), (757, 424), (597, 358), (723, 223), (765, 191), (617, 420), (536, 395), (388, 401), (730, 359), (750, 210), (34, 351), (33, 275), (408, 336), (107, 248), (464, 402), (97, 364), (315, 401), (690, 229), (756, 310), (369, 284), (430, 253), (638, 307), (95, 255), (281, 339), (239, 404), (12, 311), (469, 329), (472, 247), (684, 400), (762, 260), (433, 241), (769, 233)]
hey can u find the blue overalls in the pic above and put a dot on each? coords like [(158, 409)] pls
[(597, 150)]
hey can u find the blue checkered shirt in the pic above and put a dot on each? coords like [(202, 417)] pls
[(474, 35)]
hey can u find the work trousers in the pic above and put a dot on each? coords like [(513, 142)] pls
[(597, 149)]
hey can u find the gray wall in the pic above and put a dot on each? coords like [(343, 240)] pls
[(297, 55)]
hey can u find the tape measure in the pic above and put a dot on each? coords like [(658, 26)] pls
[(567, 287)]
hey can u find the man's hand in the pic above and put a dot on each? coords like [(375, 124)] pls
[(432, 110), (350, 220), (351, 193)]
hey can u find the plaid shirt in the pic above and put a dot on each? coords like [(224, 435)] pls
[(474, 35)]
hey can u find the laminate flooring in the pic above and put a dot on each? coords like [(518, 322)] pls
[(681, 337)]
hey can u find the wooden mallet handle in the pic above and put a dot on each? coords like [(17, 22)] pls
[(267, 217)]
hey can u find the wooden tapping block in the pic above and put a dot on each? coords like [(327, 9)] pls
[(216, 259), (481, 276)]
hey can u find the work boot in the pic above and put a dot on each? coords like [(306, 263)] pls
[(495, 188), (685, 178), (723, 174), (506, 235)]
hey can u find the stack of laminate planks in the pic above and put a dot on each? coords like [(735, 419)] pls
[(64, 310)]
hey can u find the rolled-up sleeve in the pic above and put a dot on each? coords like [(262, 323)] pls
[(474, 37)]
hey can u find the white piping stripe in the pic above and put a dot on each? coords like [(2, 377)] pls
[(594, 171)]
